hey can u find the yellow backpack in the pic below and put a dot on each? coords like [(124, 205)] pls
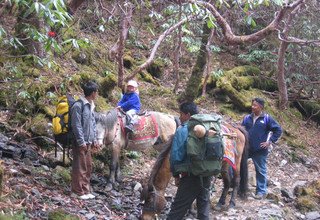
[(61, 124)]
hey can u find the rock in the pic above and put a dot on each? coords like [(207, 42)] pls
[(286, 193), (137, 187), (36, 193), (283, 162), (27, 161), (312, 215), (25, 170)]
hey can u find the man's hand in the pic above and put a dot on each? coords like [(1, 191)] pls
[(265, 144), (96, 147)]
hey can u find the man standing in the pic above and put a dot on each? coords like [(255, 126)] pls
[(263, 131), (84, 130), (190, 187)]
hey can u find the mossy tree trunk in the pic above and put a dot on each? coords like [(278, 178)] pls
[(194, 82)]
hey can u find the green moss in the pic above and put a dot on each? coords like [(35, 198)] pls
[(39, 125), (147, 77), (128, 61), (101, 104), (107, 84), (156, 68), (64, 174), (244, 71), (305, 204), (242, 82), (20, 215), (60, 214)]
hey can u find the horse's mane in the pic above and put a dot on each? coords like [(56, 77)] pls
[(110, 118), (163, 154)]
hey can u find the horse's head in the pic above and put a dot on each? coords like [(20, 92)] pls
[(154, 202), (106, 125), (101, 130)]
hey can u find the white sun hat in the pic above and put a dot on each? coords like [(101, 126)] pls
[(132, 83)]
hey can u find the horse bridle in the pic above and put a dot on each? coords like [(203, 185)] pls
[(115, 133)]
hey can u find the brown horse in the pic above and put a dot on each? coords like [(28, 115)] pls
[(152, 129), (153, 193)]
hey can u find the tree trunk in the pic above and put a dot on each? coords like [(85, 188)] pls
[(124, 28), (177, 51), (282, 86), (194, 82), (208, 70)]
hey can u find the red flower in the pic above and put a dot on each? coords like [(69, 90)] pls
[(51, 34)]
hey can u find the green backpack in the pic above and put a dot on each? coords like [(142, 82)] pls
[(204, 155)]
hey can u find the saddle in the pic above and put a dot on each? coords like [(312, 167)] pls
[(145, 127)]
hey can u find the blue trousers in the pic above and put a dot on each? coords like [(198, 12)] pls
[(260, 163), (189, 189)]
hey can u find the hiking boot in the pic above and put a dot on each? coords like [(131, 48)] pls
[(259, 196), (129, 128)]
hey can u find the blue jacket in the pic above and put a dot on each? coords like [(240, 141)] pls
[(130, 101), (178, 147), (258, 132)]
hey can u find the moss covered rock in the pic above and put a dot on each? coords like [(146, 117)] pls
[(107, 84), (156, 68), (60, 214)]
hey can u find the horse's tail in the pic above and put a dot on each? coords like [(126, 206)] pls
[(243, 188)]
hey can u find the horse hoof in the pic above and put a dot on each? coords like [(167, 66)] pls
[(108, 187)]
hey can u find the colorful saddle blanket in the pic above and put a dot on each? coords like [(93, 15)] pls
[(145, 128), (230, 150)]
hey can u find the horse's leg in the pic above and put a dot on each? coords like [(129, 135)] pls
[(226, 185), (235, 183), (114, 167)]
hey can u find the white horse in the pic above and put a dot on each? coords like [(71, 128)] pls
[(152, 129)]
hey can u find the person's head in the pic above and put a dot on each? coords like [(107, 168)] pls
[(90, 89), (187, 109), (132, 86), (257, 105)]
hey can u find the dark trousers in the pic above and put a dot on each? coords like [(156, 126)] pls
[(189, 189)]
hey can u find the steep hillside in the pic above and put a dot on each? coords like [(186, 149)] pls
[(33, 188)]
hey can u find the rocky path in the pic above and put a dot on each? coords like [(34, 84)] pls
[(34, 190)]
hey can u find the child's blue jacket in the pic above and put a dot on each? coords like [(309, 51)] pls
[(130, 101)]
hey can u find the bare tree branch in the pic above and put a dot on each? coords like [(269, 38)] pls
[(298, 41), (231, 38), (155, 47)]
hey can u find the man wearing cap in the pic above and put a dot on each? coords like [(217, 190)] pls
[(130, 103), (263, 131)]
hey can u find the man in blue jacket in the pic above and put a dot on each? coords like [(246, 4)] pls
[(190, 187), (263, 131)]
